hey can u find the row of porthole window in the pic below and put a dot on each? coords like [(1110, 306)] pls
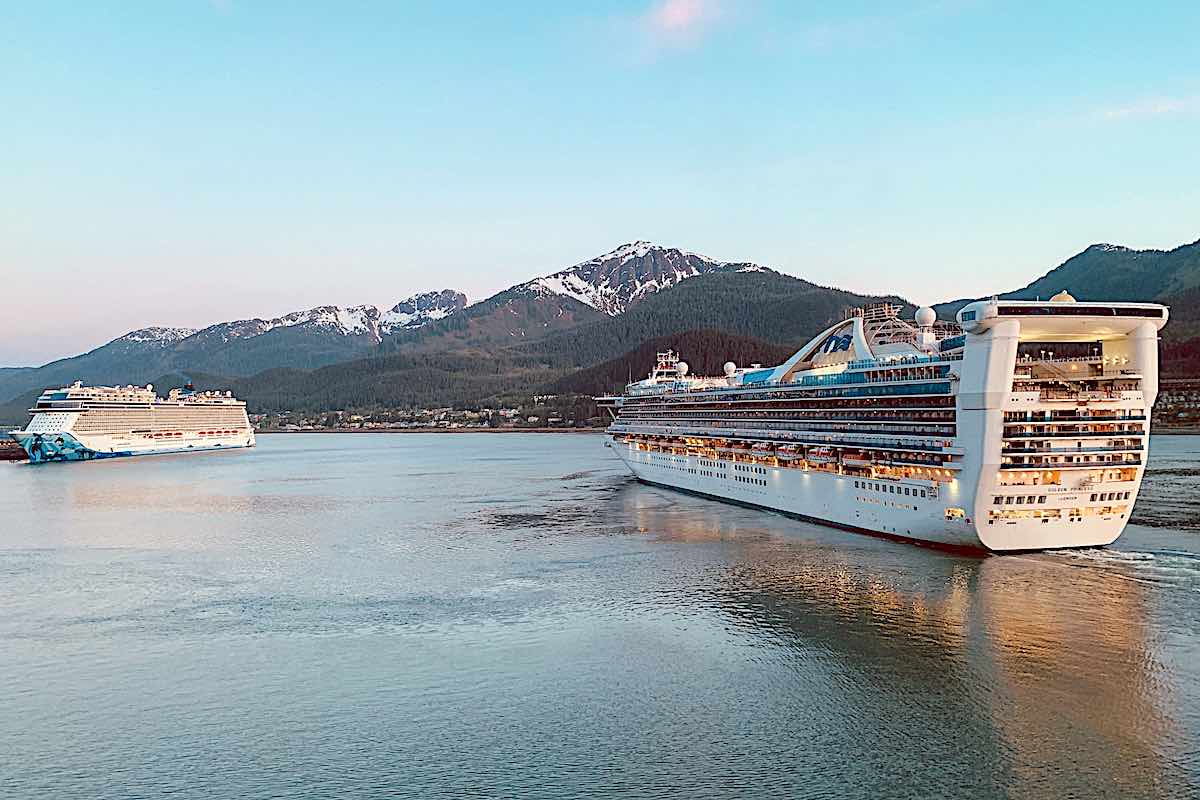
[(678, 467), (890, 488), (1019, 500), (748, 479)]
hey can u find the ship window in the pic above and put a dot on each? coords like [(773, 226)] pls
[(1042, 499), (997, 501)]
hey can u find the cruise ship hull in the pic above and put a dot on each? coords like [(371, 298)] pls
[(43, 448), (855, 504)]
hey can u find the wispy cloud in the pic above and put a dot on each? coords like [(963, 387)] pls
[(1153, 107), (681, 23)]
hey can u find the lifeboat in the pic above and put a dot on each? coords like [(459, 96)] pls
[(857, 460), (821, 455)]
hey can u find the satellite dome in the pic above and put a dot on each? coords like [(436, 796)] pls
[(926, 316), (681, 368), (1063, 297), (730, 369)]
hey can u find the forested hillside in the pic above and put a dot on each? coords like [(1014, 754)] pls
[(1111, 272), (763, 305)]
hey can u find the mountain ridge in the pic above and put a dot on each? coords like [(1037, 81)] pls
[(306, 339), (547, 327), (613, 281), (1105, 271)]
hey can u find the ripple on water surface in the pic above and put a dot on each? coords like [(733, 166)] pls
[(511, 616)]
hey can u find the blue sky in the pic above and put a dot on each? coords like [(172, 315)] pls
[(191, 161)]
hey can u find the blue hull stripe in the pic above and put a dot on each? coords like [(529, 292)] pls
[(57, 447)]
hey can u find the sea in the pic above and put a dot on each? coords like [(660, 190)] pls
[(512, 616)]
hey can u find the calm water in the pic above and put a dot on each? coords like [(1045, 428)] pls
[(512, 616)]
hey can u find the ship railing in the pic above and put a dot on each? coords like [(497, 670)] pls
[(928, 429), (884, 362), (754, 435), (942, 429), (1030, 359), (1054, 394), (1129, 433), (1016, 451), (1076, 420), (1056, 465)]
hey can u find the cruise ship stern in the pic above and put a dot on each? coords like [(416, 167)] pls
[(1061, 416)]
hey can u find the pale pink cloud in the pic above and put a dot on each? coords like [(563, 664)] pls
[(681, 22)]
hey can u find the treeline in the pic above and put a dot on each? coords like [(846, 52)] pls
[(1180, 359), (398, 381), (759, 305)]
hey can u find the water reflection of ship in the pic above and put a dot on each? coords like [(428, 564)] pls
[(1012, 675)]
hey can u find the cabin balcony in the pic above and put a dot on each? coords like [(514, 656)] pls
[(1054, 464), (1128, 448)]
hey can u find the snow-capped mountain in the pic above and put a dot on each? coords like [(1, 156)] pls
[(300, 340), (610, 283), (160, 336), (372, 322), (421, 309)]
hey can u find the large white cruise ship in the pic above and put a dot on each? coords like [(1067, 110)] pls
[(79, 423), (1024, 426)]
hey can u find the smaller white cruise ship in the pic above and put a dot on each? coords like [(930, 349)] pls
[(80, 423)]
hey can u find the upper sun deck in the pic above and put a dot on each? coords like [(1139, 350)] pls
[(1063, 318), (871, 345), (78, 393), (79, 397)]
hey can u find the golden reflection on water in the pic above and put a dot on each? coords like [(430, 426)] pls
[(1058, 661), (1077, 677)]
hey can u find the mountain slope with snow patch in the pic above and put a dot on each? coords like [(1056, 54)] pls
[(612, 282)]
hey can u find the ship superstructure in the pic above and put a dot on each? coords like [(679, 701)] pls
[(79, 423), (1022, 425)]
